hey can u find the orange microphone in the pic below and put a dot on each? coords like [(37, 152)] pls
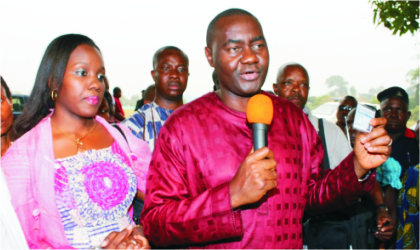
[(259, 113)]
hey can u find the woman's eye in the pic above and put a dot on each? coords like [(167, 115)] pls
[(104, 111), (81, 72), (101, 77)]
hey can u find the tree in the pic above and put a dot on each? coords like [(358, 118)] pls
[(353, 91), (339, 83), (398, 16), (413, 90)]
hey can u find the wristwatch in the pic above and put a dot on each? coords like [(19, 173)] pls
[(382, 206)]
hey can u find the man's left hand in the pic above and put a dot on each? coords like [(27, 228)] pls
[(371, 149), (385, 232)]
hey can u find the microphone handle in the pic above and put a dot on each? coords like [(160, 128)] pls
[(260, 135)]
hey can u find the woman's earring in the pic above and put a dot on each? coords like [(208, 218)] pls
[(54, 95)]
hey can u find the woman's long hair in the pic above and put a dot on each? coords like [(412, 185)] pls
[(49, 77)]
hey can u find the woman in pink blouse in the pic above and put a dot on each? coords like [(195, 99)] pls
[(71, 175)]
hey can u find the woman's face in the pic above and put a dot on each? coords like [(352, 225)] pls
[(83, 85), (103, 110), (6, 113)]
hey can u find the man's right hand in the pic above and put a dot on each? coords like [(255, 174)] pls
[(256, 175)]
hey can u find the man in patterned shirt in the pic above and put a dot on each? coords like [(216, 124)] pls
[(170, 72), (206, 187)]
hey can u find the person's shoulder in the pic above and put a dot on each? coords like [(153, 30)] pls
[(283, 105), (202, 103)]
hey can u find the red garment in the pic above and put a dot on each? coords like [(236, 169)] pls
[(198, 151), (118, 106)]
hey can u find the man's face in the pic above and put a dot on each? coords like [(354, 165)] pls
[(352, 132), (395, 110), (171, 74), (293, 85), (344, 108), (239, 54)]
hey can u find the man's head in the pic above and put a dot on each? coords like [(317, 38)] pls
[(292, 83), (394, 107), (237, 50), (149, 94), (346, 105), (170, 73), (117, 92), (352, 132)]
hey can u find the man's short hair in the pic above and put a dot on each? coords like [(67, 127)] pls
[(226, 13), (351, 98), (116, 90), (159, 51), (147, 92)]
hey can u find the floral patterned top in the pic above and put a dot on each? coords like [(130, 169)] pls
[(94, 191)]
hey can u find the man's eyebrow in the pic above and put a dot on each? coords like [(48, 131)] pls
[(232, 41), (258, 38)]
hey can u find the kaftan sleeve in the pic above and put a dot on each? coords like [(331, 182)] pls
[(333, 189), (171, 215)]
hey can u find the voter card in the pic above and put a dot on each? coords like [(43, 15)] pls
[(362, 118)]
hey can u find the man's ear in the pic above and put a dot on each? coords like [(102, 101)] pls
[(209, 56), (275, 88), (408, 116), (153, 74)]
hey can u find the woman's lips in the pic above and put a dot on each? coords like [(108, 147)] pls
[(92, 100)]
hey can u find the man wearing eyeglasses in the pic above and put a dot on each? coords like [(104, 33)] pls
[(346, 105), (293, 85)]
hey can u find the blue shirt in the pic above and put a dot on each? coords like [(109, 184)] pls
[(147, 121)]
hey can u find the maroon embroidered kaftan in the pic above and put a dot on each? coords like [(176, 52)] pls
[(198, 152)]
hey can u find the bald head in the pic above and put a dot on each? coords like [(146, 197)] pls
[(281, 70), (226, 13), (161, 51)]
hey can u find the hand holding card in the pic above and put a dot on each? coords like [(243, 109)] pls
[(371, 149), (362, 118)]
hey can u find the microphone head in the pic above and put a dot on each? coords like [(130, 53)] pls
[(260, 109)]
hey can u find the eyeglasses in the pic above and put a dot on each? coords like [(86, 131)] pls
[(343, 107)]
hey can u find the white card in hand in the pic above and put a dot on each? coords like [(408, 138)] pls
[(362, 118)]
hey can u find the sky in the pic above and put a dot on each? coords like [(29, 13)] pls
[(328, 37)]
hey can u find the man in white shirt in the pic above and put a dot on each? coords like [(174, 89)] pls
[(293, 84)]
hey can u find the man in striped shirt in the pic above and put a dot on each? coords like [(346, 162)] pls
[(170, 72)]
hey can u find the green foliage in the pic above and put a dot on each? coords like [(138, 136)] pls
[(414, 113), (353, 91), (339, 85), (313, 102), (130, 102), (398, 16), (413, 90)]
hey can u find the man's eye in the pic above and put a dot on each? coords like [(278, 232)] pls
[(258, 46), (81, 72), (234, 50), (104, 111), (287, 83)]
